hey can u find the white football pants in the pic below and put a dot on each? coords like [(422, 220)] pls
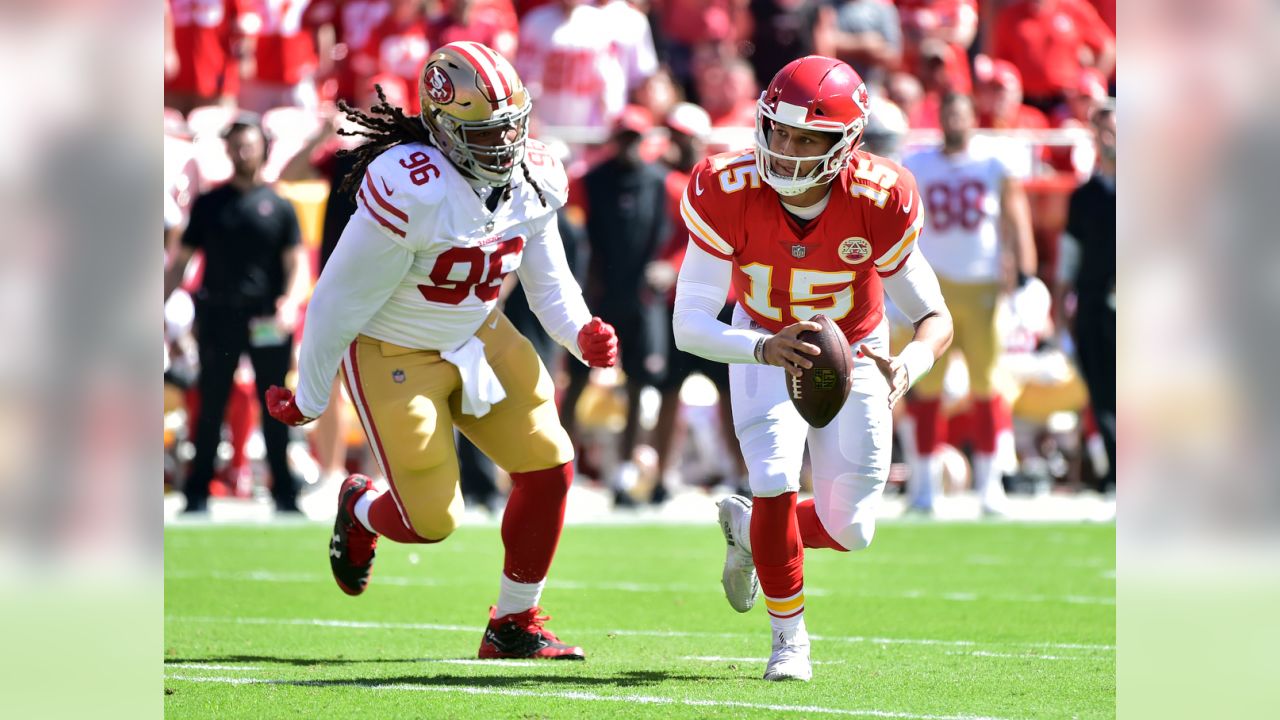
[(849, 457)]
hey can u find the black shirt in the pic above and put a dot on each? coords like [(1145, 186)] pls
[(1092, 222), (244, 236), (627, 223)]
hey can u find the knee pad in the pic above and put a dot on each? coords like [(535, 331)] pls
[(856, 535)]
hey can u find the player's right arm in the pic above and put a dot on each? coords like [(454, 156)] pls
[(705, 277), (370, 260)]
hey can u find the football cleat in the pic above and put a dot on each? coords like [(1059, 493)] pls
[(351, 548), (739, 576), (790, 658), (522, 635)]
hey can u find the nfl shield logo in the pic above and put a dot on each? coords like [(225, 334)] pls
[(798, 251)]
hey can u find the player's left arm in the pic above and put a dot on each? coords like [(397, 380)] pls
[(914, 289), (1015, 227)]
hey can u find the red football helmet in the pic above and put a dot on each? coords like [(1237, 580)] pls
[(813, 93)]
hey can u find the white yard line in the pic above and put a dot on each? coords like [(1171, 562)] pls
[(585, 696), (983, 653), (711, 587), (209, 666), (370, 625), (719, 658)]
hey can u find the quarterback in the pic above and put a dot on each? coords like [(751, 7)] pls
[(804, 223), (449, 203)]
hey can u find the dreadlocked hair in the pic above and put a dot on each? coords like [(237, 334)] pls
[(392, 128)]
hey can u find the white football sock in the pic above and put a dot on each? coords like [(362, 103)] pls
[(791, 628), (362, 508), (987, 480), (515, 597)]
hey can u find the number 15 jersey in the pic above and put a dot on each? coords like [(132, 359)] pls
[(786, 270)]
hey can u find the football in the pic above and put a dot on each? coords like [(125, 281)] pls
[(821, 390)]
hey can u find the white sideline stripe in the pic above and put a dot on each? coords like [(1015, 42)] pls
[(269, 576), (983, 653), (719, 658), (208, 666), (370, 625), (638, 699)]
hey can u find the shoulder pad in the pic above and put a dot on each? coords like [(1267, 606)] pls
[(410, 174)]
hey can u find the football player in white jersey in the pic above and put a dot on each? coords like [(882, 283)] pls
[(449, 203), (976, 213)]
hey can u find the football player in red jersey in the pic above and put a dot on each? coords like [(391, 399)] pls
[(804, 223)]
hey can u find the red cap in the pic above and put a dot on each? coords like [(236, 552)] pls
[(987, 70), (635, 119)]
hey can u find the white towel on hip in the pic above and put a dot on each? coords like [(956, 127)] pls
[(481, 388)]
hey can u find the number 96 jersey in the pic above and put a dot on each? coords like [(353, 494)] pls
[(413, 196), (784, 270)]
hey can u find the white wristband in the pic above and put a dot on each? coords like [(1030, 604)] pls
[(917, 358)]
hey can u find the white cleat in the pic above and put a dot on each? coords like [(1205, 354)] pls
[(739, 577), (790, 658)]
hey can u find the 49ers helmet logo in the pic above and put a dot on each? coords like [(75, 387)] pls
[(855, 250), (439, 86)]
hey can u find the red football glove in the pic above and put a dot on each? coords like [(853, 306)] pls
[(598, 343), (283, 407)]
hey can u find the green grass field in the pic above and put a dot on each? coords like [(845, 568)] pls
[(933, 621)]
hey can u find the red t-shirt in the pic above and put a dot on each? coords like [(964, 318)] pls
[(1027, 118), (353, 22), (784, 272), (1044, 44), (203, 31), (396, 48)]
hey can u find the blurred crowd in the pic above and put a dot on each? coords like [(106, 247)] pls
[(632, 95)]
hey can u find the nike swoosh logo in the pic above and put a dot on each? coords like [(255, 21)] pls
[(697, 185), (911, 199), (386, 188)]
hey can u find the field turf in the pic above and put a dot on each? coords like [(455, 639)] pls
[(935, 620)]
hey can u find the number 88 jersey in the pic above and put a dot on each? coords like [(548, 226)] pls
[(786, 270), (414, 197)]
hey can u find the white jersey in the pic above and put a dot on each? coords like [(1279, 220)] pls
[(422, 260), (633, 41), (571, 66), (961, 195)]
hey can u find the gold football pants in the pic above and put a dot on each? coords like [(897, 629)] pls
[(973, 310)]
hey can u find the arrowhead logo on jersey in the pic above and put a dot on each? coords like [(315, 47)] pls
[(439, 86), (855, 250)]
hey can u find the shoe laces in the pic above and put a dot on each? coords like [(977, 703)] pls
[(531, 621)]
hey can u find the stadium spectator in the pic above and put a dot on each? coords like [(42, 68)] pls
[(486, 22), (626, 227), (1046, 40), (568, 61), (658, 94), (201, 66), (788, 29), (1091, 233), (868, 36), (281, 56), (905, 91), (687, 25), (633, 41), (353, 21), (727, 90), (935, 68), (398, 46), (255, 280), (975, 212), (690, 128), (424, 348), (1082, 101), (954, 23), (998, 99), (788, 231)]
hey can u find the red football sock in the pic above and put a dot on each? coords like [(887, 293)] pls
[(532, 521), (930, 426), (241, 417), (778, 554), (812, 532), (984, 426), (385, 517)]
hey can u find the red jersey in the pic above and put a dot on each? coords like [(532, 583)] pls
[(286, 49), (399, 48), (783, 271), (203, 32), (1045, 43)]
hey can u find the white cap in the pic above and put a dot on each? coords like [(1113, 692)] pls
[(691, 120)]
